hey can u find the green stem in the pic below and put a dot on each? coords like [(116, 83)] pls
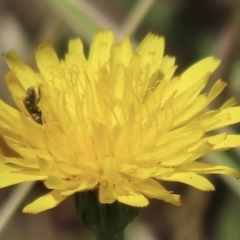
[(107, 221), (109, 236)]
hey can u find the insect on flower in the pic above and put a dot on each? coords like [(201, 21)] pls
[(31, 101)]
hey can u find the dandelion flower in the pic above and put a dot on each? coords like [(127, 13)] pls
[(119, 122)]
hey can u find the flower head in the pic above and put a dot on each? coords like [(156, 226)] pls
[(118, 121)]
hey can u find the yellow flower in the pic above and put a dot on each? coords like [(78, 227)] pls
[(118, 121)]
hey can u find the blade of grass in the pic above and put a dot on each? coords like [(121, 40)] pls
[(75, 17), (132, 21), (9, 207)]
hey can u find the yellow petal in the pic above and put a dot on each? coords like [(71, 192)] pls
[(202, 149), (48, 201), (88, 183), (8, 112), (152, 189), (127, 195), (57, 183), (48, 62), (6, 168), (11, 178), (22, 162), (127, 50), (199, 70), (230, 103), (190, 111), (220, 118), (168, 67), (151, 49), (207, 168), (179, 143), (229, 142), (26, 76), (75, 56), (191, 179), (118, 85), (111, 171), (100, 49), (18, 92), (106, 194), (75, 47), (216, 90)]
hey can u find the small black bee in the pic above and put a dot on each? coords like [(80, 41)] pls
[(31, 101)]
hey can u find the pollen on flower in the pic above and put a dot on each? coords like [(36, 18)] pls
[(118, 121)]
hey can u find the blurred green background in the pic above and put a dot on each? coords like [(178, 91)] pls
[(193, 29)]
